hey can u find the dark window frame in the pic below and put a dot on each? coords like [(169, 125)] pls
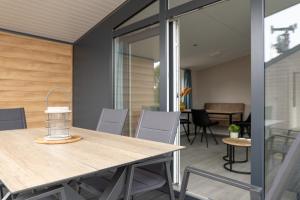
[(257, 68)]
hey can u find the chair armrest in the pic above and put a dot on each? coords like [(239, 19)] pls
[(131, 171), (282, 136), (43, 194), (256, 192), (153, 161)]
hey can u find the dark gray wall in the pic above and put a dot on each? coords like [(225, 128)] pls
[(92, 71)]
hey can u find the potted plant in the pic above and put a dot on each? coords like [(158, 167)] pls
[(234, 130), (184, 92)]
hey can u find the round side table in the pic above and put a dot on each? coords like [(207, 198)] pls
[(232, 143)]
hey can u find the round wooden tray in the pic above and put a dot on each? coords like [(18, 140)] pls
[(74, 138), (240, 142)]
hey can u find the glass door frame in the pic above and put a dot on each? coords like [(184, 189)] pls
[(257, 68), (257, 93), (129, 39)]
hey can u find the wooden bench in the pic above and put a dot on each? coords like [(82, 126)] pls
[(225, 107)]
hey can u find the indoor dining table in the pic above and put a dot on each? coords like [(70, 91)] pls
[(27, 166), (230, 115)]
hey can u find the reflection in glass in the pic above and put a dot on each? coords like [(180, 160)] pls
[(282, 96), (282, 32), (136, 74)]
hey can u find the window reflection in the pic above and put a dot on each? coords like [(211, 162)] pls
[(282, 99), (282, 32)]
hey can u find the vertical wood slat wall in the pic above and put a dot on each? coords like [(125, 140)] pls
[(29, 68)]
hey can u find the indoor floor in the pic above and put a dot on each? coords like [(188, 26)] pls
[(211, 159)]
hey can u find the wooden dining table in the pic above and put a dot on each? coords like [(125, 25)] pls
[(26, 165)]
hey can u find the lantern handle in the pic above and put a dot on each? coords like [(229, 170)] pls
[(53, 90)]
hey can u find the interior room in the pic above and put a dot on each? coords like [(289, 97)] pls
[(215, 64)]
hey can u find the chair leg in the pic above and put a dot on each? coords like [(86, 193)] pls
[(202, 133), (169, 180), (213, 135), (129, 182), (205, 134), (195, 135), (186, 133)]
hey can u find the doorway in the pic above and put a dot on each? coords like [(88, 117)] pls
[(213, 63)]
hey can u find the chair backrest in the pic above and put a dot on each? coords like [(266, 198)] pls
[(288, 174), (112, 121), (200, 117), (248, 118), (158, 126), (12, 118)]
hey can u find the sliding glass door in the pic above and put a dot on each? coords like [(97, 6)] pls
[(137, 74)]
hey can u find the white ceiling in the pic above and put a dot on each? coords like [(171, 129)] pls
[(220, 31), (65, 20)]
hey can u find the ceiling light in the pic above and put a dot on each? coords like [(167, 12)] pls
[(214, 54)]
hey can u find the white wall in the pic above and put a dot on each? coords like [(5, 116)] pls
[(226, 83)]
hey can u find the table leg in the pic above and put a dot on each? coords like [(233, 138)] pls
[(231, 160), (188, 125), (233, 154), (7, 196), (226, 157), (230, 157), (227, 153), (115, 187)]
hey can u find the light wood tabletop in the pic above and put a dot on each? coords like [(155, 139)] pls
[(25, 164), (240, 142)]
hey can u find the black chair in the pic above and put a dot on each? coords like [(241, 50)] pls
[(185, 124), (201, 120), (245, 126), (12, 118)]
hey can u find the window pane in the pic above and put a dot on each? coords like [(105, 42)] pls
[(149, 11), (137, 73), (282, 96)]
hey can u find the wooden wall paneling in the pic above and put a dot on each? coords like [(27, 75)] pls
[(29, 68)]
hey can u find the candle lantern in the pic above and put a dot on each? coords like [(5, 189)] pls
[(58, 120)]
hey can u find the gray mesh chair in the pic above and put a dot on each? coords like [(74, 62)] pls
[(286, 179), (152, 174), (156, 173), (288, 175), (12, 118), (112, 121)]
